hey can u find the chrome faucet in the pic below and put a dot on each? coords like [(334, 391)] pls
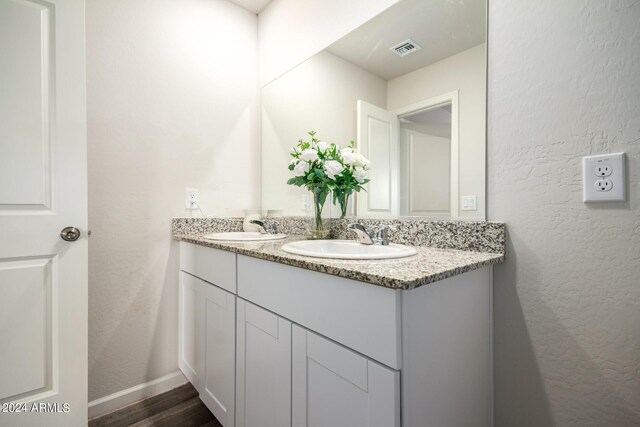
[(367, 237), (266, 226)]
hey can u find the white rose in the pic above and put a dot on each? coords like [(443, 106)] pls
[(301, 169), (322, 146), (309, 155), (359, 174), (361, 162), (333, 168), (348, 156), (367, 163)]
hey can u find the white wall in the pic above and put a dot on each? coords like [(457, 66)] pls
[(320, 94), (290, 31), (171, 104), (564, 83), (464, 72)]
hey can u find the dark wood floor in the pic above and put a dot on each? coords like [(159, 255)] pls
[(180, 407)]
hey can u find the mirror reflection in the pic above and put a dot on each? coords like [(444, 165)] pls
[(409, 87)]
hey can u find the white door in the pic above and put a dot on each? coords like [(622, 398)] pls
[(263, 377), (378, 141), (425, 161), (334, 386), (43, 189), (217, 351)]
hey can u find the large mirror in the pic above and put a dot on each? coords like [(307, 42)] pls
[(410, 87)]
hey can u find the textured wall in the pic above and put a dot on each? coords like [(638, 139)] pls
[(564, 82), (171, 104)]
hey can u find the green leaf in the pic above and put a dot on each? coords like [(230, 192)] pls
[(297, 181)]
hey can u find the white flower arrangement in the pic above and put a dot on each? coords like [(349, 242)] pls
[(324, 167)]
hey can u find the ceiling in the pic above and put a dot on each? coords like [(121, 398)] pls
[(441, 27), (254, 6)]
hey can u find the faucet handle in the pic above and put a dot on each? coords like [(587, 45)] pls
[(382, 234), (272, 226)]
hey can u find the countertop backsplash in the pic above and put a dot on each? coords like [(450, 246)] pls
[(481, 236)]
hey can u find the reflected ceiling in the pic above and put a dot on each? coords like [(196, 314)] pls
[(441, 27)]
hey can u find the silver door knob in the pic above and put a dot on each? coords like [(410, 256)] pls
[(70, 234)]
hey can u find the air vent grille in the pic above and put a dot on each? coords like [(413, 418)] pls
[(405, 48)]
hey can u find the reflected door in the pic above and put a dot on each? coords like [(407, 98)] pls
[(425, 174), (378, 141), (43, 278)]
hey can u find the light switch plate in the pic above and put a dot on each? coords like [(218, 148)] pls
[(603, 178), (469, 203)]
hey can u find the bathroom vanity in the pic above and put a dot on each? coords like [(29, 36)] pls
[(273, 339)]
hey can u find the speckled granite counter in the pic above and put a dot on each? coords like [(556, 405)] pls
[(428, 266)]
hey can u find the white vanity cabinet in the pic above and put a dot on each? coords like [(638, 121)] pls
[(207, 327), (268, 344)]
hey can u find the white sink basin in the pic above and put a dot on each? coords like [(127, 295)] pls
[(347, 249), (243, 236)]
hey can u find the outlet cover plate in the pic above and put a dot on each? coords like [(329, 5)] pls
[(591, 165), (192, 195)]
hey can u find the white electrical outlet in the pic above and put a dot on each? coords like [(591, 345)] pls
[(192, 198), (603, 178), (603, 170), (603, 185)]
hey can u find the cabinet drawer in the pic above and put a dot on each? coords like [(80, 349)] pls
[(212, 265), (360, 316)]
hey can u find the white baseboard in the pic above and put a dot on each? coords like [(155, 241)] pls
[(118, 400)]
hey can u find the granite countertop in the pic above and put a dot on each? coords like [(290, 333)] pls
[(427, 266)]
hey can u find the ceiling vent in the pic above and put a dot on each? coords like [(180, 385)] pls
[(405, 48)]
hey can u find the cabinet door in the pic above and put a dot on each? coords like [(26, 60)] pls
[(263, 395), (188, 295), (334, 386), (216, 350)]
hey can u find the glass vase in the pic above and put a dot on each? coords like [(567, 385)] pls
[(341, 201), (318, 223)]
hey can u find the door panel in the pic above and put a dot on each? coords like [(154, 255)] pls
[(429, 168), (334, 386), (263, 395), (43, 279), (26, 287), (188, 297), (378, 141), (25, 104), (217, 385)]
